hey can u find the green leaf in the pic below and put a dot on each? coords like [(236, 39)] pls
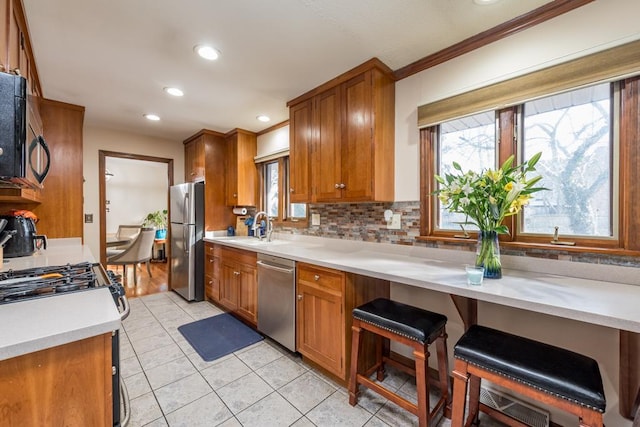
[(456, 166), (502, 229), (439, 179)]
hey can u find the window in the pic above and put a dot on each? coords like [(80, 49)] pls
[(471, 142), (588, 142), (271, 189), (275, 200), (297, 211), (574, 131)]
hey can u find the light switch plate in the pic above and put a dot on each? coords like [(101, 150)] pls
[(315, 219), (395, 222)]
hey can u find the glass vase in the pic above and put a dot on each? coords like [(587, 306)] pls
[(488, 254)]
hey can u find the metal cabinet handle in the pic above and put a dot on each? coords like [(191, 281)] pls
[(337, 185), (299, 297), (291, 190), (237, 273), (342, 186), (316, 277)]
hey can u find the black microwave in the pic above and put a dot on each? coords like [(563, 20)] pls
[(24, 155)]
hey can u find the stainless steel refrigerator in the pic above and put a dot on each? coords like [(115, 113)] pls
[(187, 244)]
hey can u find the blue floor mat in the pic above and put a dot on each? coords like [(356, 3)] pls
[(218, 336)]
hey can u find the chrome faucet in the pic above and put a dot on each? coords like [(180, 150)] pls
[(256, 226)]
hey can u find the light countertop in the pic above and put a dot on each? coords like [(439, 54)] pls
[(46, 322), (598, 294), (58, 252)]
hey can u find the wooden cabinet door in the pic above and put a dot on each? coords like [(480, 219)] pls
[(327, 171), (194, 160), (231, 171), (66, 385), (247, 177), (248, 293), (4, 13), (229, 285), (300, 144), (320, 317), (15, 41), (240, 171), (357, 139)]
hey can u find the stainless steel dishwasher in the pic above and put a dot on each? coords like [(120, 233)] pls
[(277, 299)]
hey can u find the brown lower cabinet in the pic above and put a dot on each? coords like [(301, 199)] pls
[(67, 385), (325, 299), (212, 271), (238, 283)]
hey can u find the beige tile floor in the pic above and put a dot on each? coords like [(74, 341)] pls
[(261, 385)]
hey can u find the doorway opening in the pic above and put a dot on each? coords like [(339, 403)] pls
[(131, 187)]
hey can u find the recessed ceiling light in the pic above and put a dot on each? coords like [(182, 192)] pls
[(173, 91), (263, 118), (207, 52), (152, 117)]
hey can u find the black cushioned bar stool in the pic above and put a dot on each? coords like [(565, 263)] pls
[(411, 326), (552, 375)]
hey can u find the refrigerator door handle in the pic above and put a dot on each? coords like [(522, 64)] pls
[(185, 239), (185, 209)]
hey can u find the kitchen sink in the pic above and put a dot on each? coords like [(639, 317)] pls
[(256, 242)]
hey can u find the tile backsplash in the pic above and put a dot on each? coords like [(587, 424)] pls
[(365, 222)]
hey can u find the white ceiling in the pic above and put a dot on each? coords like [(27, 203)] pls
[(114, 57)]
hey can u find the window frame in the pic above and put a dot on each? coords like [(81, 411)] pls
[(284, 202), (626, 156)]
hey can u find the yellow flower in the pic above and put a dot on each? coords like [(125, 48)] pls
[(508, 186), (444, 198), (494, 176)]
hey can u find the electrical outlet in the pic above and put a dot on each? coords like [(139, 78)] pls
[(88, 218), (315, 219), (395, 222)]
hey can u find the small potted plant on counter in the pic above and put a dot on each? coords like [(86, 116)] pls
[(157, 219)]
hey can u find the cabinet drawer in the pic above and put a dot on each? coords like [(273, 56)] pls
[(239, 256), (322, 277), (211, 250)]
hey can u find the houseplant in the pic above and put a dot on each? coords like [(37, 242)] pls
[(486, 199), (157, 219)]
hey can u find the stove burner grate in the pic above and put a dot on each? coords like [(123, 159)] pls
[(43, 281)]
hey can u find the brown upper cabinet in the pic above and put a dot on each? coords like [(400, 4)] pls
[(240, 169), (17, 56), (204, 159), (4, 11), (194, 158), (342, 138)]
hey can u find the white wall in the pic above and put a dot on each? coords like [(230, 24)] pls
[(593, 27), (96, 139), (140, 180)]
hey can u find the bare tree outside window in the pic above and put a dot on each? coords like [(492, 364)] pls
[(470, 142), (573, 131), (271, 189)]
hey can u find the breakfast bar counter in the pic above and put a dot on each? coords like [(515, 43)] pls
[(595, 294), (598, 294)]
